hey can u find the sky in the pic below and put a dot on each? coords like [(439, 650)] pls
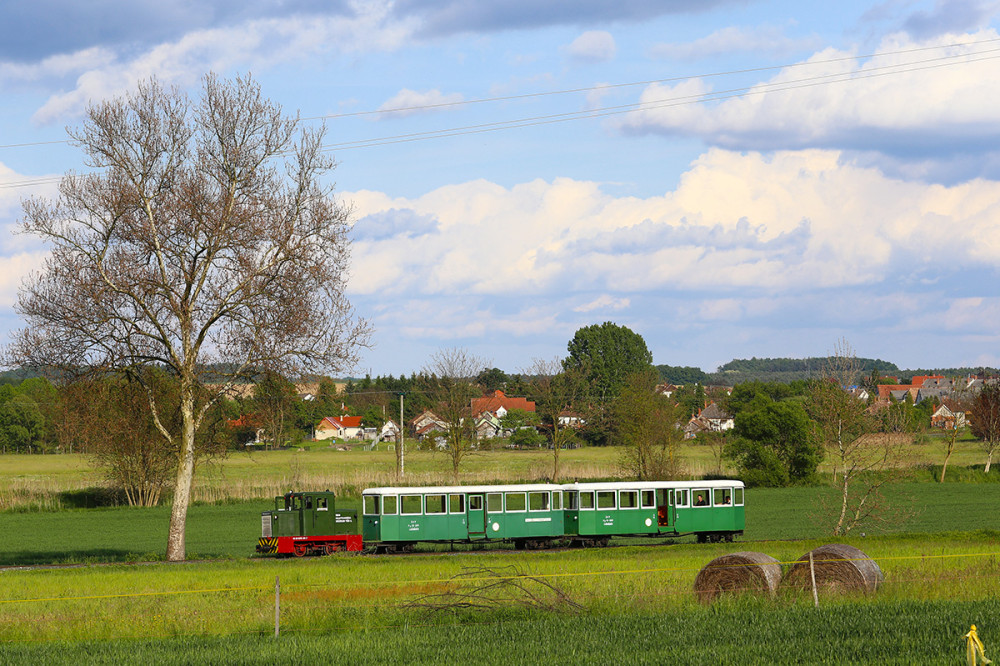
[(727, 178)]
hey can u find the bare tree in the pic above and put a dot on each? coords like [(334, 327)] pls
[(455, 370), (556, 392), (650, 427), (985, 420), (205, 238), (866, 452)]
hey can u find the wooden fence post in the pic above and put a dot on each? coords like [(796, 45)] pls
[(812, 574)]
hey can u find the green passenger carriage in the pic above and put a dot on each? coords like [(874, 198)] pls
[(529, 515), (713, 510)]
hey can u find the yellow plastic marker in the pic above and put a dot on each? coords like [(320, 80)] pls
[(974, 651)]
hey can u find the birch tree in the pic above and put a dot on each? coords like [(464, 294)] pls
[(204, 237)]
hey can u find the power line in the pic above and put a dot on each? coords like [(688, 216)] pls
[(607, 86)]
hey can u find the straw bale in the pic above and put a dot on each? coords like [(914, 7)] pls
[(738, 572), (838, 567)]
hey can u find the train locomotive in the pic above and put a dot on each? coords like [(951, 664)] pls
[(530, 516)]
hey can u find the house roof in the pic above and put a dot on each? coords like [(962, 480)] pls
[(339, 422), (492, 402), (714, 412)]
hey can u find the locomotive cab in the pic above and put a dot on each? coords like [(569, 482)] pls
[(308, 523)]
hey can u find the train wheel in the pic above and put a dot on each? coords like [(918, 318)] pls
[(300, 550), (604, 542), (520, 544), (331, 548)]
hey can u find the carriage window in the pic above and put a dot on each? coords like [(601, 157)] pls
[(587, 500), (321, 504), (605, 499), (738, 496), (681, 498), (435, 504), (723, 497), (628, 499), (700, 497), (538, 501), (515, 501), (557, 501), (648, 499), (457, 503), (371, 505), (389, 505), (475, 502), (411, 505), (571, 499), (494, 502)]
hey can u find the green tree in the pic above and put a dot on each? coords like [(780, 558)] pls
[(555, 393), (607, 354), (274, 407), (773, 443), (204, 238), (493, 379), (453, 374), (649, 425)]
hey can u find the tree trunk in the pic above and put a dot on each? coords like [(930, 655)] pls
[(176, 549), (989, 460)]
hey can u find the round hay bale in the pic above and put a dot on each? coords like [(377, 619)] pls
[(838, 567), (738, 572)]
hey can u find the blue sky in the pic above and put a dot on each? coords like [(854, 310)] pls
[(727, 178)]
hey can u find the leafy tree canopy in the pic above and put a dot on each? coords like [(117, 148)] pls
[(607, 354)]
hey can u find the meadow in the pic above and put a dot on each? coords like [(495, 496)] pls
[(630, 604)]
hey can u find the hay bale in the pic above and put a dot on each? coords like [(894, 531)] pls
[(738, 572), (838, 567)]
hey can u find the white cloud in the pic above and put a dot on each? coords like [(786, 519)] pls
[(734, 39), (604, 302), (593, 46), (409, 102), (793, 222), (895, 101)]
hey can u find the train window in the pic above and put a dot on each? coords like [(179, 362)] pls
[(648, 499), (494, 502), (322, 504), (538, 501), (571, 499), (389, 505), (411, 505), (456, 503), (296, 503), (605, 499), (681, 498), (309, 502), (475, 502), (371, 505), (723, 497), (557, 501), (700, 497), (628, 499), (515, 501), (435, 504), (738, 496), (587, 500)]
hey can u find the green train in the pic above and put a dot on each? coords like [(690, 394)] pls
[(541, 515), (395, 519)]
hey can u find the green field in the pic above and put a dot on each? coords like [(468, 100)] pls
[(630, 604)]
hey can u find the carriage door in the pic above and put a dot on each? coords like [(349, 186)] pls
[(477, 515)]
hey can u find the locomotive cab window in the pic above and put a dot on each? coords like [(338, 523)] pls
[(700, 497), (538, 501), (389, 503), (457, 503), (371, 505), (435, 504), (321, 504), (309, 502), (723, 497), (494, 503), (412, 505), (605, 499), (628, 499), (587, 500)]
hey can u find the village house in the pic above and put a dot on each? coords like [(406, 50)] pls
[(341, 427)]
